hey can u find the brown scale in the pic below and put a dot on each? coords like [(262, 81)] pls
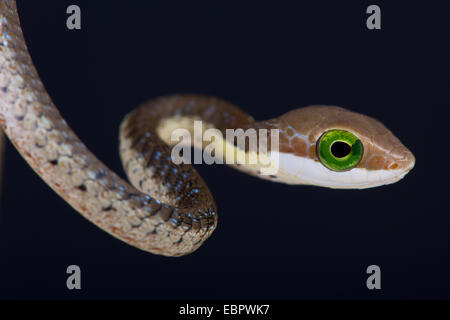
[(169, 210)]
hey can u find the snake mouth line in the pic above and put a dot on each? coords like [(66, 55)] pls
[(167, 208)]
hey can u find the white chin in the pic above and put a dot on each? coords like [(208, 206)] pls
[(298, 170)]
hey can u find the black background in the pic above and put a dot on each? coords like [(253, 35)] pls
[(273, 240)]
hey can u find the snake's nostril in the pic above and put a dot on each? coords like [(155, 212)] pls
[(394, 166)]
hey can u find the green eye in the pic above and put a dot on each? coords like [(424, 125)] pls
[(339, 150)]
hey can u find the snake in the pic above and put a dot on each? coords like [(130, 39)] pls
[(167, 208)]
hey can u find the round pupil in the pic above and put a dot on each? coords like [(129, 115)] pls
[(340, 149)]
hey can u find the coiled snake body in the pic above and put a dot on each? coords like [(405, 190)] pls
[(169, 210)]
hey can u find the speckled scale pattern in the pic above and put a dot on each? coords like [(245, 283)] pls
[(168, 209), (35, 127)]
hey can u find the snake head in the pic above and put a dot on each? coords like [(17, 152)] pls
[(340, 149)]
